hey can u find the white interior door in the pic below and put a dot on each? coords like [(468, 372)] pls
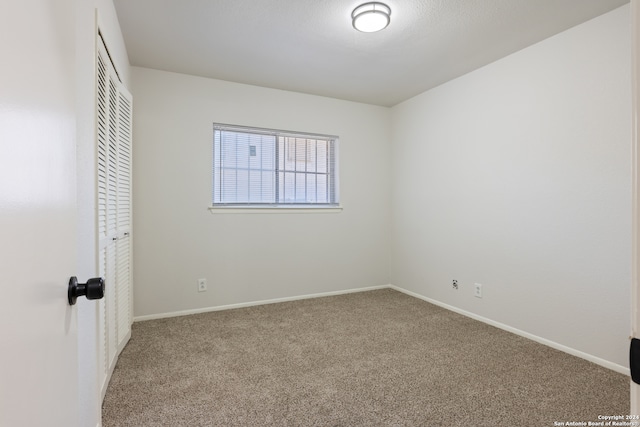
[(635, 285), (38, 330)]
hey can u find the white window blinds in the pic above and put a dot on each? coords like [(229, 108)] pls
[(266, 167)]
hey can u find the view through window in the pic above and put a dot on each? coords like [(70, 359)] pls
[(266, 167)]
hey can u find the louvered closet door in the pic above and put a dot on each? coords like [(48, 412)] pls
[(123, 222), (114, 118)]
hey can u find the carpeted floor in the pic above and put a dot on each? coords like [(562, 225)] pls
[(378, 358)]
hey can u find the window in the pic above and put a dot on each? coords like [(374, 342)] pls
[(261, 167)]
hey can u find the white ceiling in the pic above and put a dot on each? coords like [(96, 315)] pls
[(310, 46)]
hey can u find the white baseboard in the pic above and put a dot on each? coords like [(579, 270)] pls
[(253, 303), (591, 358)]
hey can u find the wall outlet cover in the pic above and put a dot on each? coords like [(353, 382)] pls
[(478, 290)]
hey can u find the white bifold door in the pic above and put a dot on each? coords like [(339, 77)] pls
[(114, 140)]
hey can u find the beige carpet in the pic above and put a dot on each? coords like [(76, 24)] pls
[(378, 358)]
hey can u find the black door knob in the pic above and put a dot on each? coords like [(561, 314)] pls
[(93, 289)]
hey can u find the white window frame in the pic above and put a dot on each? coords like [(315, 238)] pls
[(277, 207)]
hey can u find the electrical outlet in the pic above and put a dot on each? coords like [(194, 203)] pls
[(478, 290), (455, 284), (202, 285)]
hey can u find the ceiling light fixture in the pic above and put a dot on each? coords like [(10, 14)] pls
[(371, 17)]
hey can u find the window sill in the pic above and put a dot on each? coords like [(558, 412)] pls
[(273, 209)]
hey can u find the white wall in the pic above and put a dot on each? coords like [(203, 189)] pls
[(90, 400), (248, 257), (517, 176)]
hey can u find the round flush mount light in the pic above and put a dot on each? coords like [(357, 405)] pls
[(371, 17)]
